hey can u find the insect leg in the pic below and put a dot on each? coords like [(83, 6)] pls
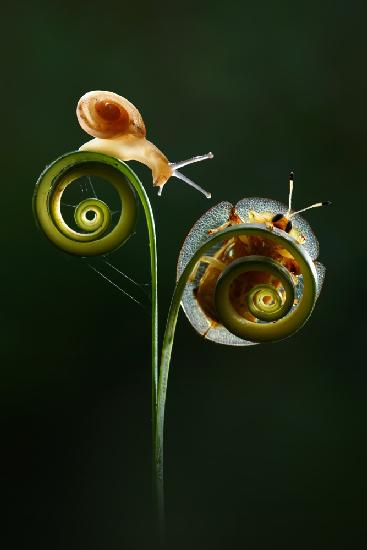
[(210, 260), (220, 228)]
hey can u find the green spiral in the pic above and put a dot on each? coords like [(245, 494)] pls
[(264, 301), (99, 217), (95, 235), (263, 310), (280, 316)]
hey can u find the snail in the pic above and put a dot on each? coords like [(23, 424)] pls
[(251, 269), (119, 130)]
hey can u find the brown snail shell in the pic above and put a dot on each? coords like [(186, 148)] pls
[(108, 115)]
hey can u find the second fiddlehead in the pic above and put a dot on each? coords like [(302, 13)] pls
[(246, 274)]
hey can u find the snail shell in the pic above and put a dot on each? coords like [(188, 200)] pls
[(107, 115), (119, 131)]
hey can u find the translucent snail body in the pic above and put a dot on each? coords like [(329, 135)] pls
[(119, 131)]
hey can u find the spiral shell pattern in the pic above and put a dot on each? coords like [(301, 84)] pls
[(108, 115)]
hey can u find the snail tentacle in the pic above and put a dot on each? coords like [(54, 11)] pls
[(180, 176)]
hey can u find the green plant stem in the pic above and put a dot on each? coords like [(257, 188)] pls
[(154, 297), (154, 335), (157, 482)]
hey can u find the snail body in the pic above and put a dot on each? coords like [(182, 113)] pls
[(130, 147), (119, 130)]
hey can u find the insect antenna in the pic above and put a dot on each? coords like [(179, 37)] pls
[(316, 205), (175, 165), (290, 215), (291, 179)]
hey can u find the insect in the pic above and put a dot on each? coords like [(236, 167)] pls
[(119, 130), (256, 291)]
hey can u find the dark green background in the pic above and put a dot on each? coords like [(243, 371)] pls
[(265, 447)]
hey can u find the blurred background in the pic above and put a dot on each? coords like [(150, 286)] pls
[(265, 446)]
